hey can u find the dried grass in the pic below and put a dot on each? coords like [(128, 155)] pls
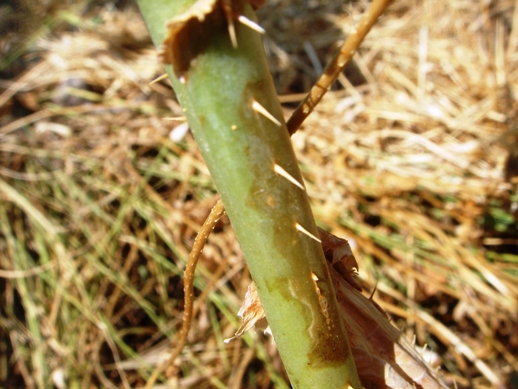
[(412, 158)]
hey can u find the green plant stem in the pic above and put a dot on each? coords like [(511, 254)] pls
[(241, 148)]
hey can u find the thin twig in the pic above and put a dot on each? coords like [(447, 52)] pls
[(337, 65), (215, 214)]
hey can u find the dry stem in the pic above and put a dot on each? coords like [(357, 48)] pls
[(337, 65), (215, 214)]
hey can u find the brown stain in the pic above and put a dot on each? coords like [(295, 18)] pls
[(270, 201), (327, 350), (328, 347), (253, 89), (203, 120)]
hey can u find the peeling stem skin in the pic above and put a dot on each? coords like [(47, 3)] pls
[(337, 64), (241, 147)]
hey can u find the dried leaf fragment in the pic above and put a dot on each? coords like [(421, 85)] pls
[(250, 313), (339, 254), (383, 357)]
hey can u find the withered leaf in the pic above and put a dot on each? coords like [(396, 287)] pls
[(383, 357), (250, 313), (340, 256)]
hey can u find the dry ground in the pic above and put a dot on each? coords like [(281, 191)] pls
[(413, 157)]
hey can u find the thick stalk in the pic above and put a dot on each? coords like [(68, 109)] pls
[(220, 88)]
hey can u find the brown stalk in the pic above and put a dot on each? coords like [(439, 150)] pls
[(337, 65), (215, 214)]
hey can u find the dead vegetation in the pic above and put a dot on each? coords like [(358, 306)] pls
[(412, 157)]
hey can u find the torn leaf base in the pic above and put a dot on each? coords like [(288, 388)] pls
[(189, 31), (251, 313), (383, 357), (187, 34)]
